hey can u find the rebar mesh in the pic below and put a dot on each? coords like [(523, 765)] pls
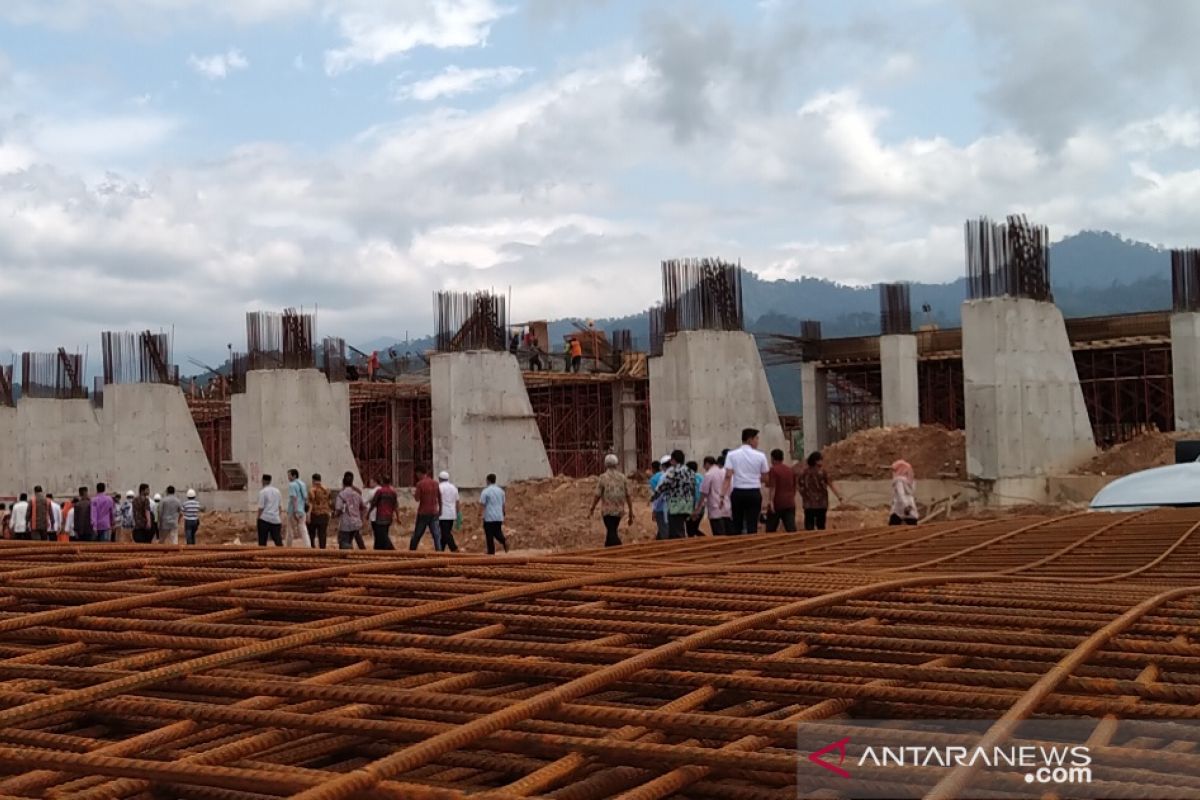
[(280, 341), (702, 294), (1185, 279), (470, 321), (53, 375), (1008, 259), (143, 357), (895, 311), (658, 331), (7, 396)]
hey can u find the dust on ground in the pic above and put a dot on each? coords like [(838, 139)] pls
[(1146, 450), (934, 452)]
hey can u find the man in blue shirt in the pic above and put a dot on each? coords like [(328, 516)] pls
[(659, 504), (297, 510), (492, 499)]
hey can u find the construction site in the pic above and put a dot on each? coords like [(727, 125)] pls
[(1013, 619)]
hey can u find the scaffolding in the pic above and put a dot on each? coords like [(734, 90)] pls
[(391, 430), (1127, 391), (940, 393), (855, 400), (576, 422), (214, 424)]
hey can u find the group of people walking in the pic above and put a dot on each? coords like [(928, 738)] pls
[(101, 517), (729, 490), (304, 518)]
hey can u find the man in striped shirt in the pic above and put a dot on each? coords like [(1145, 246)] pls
[(191, 516)]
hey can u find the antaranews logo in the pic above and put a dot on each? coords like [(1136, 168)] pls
[(1041, 764)]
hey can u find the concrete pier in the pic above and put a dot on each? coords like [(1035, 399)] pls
[(1025, 412), (292, 418), (704, 389), (1185, 369), (898, 366), (483, 421), (814, 396)]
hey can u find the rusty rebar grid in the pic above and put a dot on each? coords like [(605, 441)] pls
[(57, 375), (143, 357), (280, 341), (668, 669)]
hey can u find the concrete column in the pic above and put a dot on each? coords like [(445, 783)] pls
[(692, 386), (625, 426), (1025, 412), (898, 363), (483, 421), (1185, 369), (814, 393)]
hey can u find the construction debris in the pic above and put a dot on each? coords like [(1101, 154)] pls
[(1150, 449)]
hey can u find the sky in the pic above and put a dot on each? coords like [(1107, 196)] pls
[(172, 164)]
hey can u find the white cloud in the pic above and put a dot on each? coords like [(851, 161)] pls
[(1173, 128), (454, 81), (378, 31), (219, 65)]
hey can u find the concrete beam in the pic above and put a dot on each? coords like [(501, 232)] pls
[(898, 365), (1185, 369)]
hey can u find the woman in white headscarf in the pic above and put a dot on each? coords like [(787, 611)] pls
[(904, 500)]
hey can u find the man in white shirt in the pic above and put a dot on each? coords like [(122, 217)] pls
[(270, 523), (449, 513), (19, 518), (746, 470), (56, 517)]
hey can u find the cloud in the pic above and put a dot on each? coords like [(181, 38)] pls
[(454, 81), (378, 31), (220, 65)]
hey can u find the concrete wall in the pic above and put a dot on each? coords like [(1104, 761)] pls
[(704, 389), (483, 421), (898, 368), (1185, 369), (814, 393), (144, 433), (292, 418), (153, 438), (1025, 413)]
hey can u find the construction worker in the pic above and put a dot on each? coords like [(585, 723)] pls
[(372, 365), (448, 515), (576, 350), (38, 516), (191, 516), (270, 503), (19, 518), (383, 510), (349, 509)]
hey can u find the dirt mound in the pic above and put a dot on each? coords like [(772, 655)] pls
[(1151, 449), (934, 452)]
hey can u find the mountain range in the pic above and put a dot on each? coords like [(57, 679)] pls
[(1091, 273)]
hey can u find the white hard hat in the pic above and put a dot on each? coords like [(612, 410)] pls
[(191, 493), (129, 492), (157, 497), (443, 476), (665, 460)]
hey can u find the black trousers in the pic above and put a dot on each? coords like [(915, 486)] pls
[(576, 362), (693, 527), (494, 532), (612, 524), (318, 529), (785, 515), (814, 519), (346, 539), (677, 526), (382, 540), (745, 505), (721, 526), (146, 535), (447, 528), (265, 529), (896, 519), (426, 522)]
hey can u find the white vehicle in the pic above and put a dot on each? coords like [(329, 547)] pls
[(1177, 485)]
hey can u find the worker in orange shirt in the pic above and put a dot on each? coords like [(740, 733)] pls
[(576, 350), (372, 365)]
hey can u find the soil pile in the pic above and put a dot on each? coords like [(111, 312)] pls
[(1150, 449), (934, 452)]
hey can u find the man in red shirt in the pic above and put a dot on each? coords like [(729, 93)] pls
[(429, 508), (781, 480), (383, 503)]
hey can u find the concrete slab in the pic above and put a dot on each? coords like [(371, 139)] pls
[(704, 389), (1185, 369), (483, 421), (1025, 412)]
